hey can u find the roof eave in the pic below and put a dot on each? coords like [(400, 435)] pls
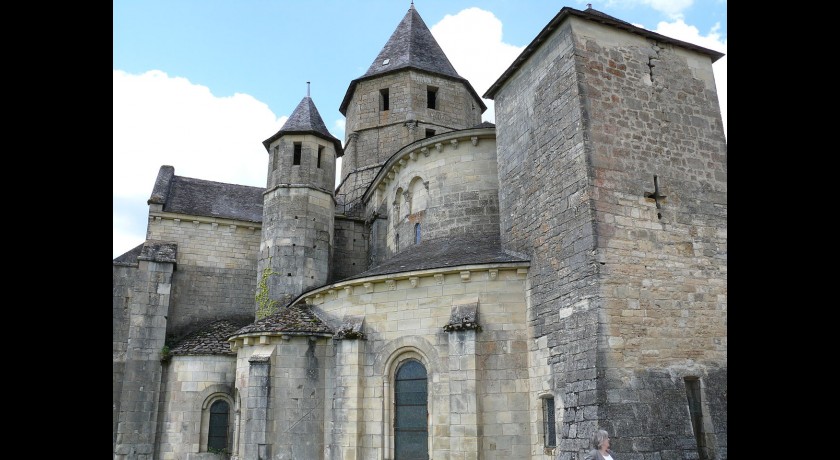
[(352, 88), (339, 150), (564, 13)]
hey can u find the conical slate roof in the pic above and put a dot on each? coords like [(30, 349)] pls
[(411, 46), (291, 320), (306, 120)]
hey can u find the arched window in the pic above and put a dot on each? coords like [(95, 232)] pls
[(411, 425), (217, 432), (417, 233), (549, 425)]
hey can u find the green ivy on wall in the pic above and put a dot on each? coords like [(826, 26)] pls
[(265, 305)]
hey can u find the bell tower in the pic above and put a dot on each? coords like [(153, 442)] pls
[(411, 91), (298, 204)]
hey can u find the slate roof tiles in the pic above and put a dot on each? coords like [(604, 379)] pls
[(411, 46), (208, 340), (445, 252), (292, 320), (199, 197), (305, 119)]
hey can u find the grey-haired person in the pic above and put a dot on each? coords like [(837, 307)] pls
[(600, 441)]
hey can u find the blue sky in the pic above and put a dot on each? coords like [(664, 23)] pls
[(199, 84)]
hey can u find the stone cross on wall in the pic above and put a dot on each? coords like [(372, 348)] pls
[(656, 195)]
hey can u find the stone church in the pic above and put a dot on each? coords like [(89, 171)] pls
[(470, 290)]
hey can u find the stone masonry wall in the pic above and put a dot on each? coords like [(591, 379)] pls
[(349, 248), (297, 397), (608, 111), (141, 374), (448, 184), (654, 121), (545, 214), (124, 278), (189, 384), (283, 171), (382, 133), (215, 276), (297, 239), (478, 393), (286, 411)]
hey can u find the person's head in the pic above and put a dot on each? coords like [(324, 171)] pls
[(600, 439)]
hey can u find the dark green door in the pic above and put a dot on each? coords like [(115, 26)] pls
[(411, 432)]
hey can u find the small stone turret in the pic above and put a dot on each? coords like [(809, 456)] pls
[(297, 233)]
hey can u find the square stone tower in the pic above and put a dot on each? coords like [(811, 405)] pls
[(612, 170)]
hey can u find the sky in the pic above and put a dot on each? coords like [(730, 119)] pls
[(199, 84)]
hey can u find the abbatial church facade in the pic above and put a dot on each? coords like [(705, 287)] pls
[(470, 290)]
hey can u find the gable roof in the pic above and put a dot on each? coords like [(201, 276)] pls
[(197, 197), (590, 14), (305, 119), (411, 46)]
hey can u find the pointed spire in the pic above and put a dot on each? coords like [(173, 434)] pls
[(412, 45), (306, 119)]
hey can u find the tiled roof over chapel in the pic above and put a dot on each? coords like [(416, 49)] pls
[(292, 320), (209, 340)]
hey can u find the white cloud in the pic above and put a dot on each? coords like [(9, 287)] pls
[(671, 8), (162, 120), (472, 40), (339, 127)]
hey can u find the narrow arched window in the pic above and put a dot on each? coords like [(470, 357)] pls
[(417, 233), (218, 430), (411, 432), (549, 427)]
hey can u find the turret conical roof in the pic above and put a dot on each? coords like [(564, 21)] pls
[(413, 46), (306, 120)]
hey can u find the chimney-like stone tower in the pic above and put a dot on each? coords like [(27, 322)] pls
[(297, 232)]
